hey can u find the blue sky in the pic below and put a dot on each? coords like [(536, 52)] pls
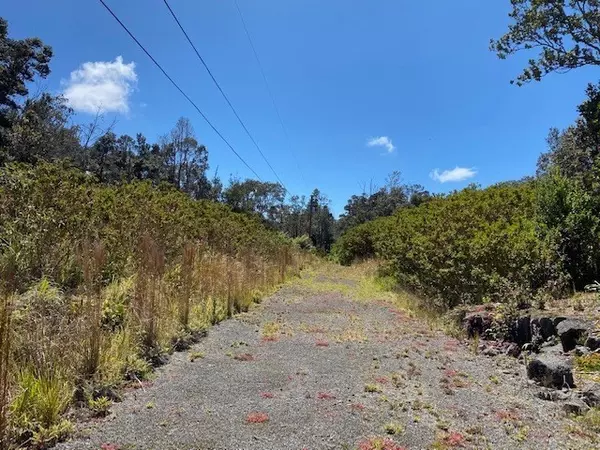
[(415, 80)]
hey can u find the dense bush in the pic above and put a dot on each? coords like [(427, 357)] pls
[(471, 246), (47, 210)]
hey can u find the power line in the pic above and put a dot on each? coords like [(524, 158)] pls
[(178, 88), (283, 127), (223, 93)]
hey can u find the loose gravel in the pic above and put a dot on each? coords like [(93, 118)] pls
[(330, 373)]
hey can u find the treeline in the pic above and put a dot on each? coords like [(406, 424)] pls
[(512, 241)]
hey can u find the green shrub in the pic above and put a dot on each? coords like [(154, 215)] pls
[(39, 403), (468, 247)]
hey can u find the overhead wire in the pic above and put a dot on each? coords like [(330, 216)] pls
[(223, 93), (181, 91), (269, 91)]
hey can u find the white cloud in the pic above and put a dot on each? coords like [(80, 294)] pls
[(103, 86), (456, 174), (382, 141)]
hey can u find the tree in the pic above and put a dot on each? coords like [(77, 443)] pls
[(40, 131), (568, 200), (382, 202), (20, 61), (566, 33), (321, 221), (186, 161), (575, 152), (256, 197)]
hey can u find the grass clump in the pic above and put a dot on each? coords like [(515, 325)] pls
[(393, 428), (270, 331), (588, 363), (99, 406), (37, 407), (373, 388)]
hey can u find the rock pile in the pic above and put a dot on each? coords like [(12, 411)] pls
[(547, 345)]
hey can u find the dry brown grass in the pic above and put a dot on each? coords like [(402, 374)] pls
[(79, 344), (4, 369)]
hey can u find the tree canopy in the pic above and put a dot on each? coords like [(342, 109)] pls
[(566, 34)]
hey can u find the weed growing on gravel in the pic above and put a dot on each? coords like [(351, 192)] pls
[(379, 443), (522, 434), (257, 417), (442, 425), (244, 357), (587, 426), (193, 356), (270, 331), (107, 446), (99, 406), (373, 388), (452, 439), (398, 380), (393, 428), (412, 370)]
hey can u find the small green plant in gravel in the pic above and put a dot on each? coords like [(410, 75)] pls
[(373, 388), (393, 428), (195, 355), (150, 405), (443, 425), (447, 440), (49, 437), (99, 406), (522, 434), (587, 426), (270, 330)]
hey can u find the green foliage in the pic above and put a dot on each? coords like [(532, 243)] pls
[(564, 31), (21, 61), (99, 406), (588, 363), (381, 203), (46, 209), (39, 402), (463, 248), (117, 296), (569, 193), (303, 242)]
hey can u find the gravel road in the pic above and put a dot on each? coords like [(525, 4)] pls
[(316, 369)]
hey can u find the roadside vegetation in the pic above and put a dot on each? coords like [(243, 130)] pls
[(107, 280)]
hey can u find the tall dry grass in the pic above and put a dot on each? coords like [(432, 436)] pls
[(74, 347), (4, 369)]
